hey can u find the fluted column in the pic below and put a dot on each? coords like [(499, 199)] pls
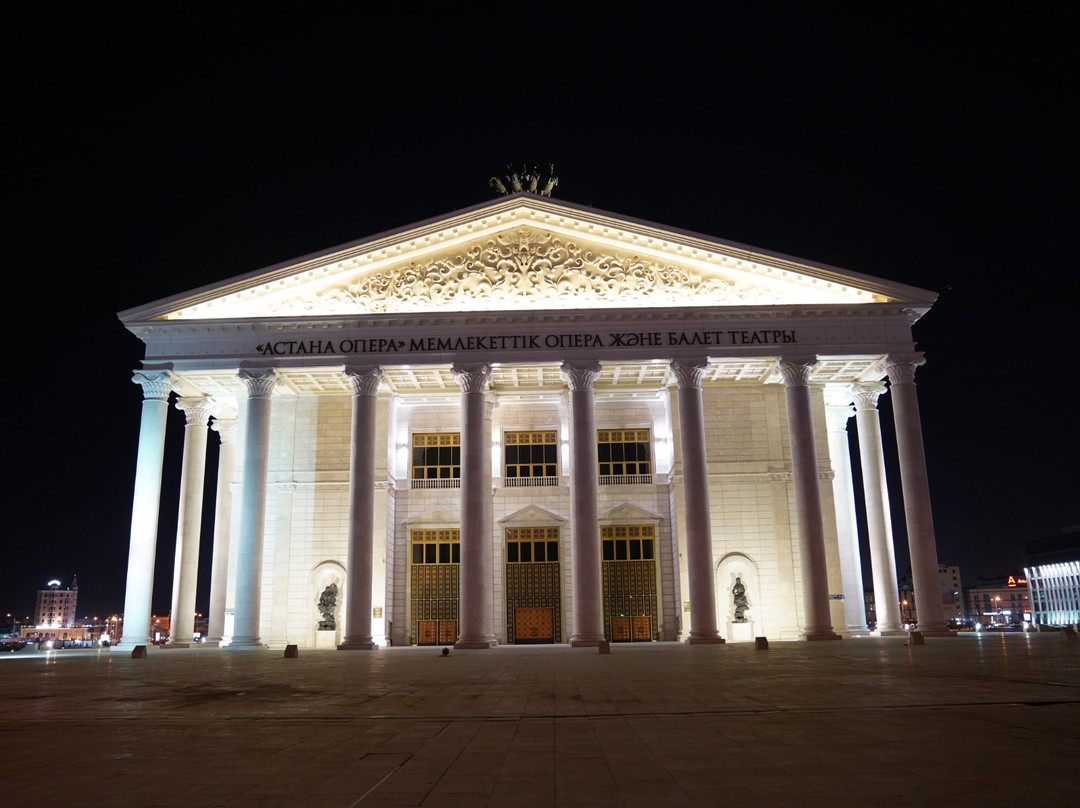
[(225, 425), (838, 412), (585, 524), (817, 623), (878, 514), (146, 503), (365, 384), (695, 464), (475, 626), (260, 384), (922, 546), (197, 411)]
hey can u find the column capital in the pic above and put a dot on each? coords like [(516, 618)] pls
[(689, 372), (259, 381), (472, 378), (901, 366), (580, 375), (156, 384), (364, 379), (837, 416), (796, 370), (866, 395), (197, 409), (226, 429)]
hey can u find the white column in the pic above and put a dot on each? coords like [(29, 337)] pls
[(585, 523), (260, 384), (695, 465), (838, 412), (878, 514), (817, 621), (225, 425), (146, 503), (474, 628), (196, 411), (922, 545), (365, 384)]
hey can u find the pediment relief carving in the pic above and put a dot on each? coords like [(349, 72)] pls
[(523, 265)]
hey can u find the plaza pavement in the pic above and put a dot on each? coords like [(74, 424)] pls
[(989, 719)]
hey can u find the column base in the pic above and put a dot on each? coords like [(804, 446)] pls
[(473, 643), (357, 645), (858, 631), (586, 640), (889, 632), (705, 639), (182, 644), (211, 643), (816, 636), (246, 645)]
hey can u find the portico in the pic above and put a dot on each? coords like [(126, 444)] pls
[(531, 421)]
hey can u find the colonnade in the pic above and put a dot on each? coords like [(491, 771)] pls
[(475, 623)]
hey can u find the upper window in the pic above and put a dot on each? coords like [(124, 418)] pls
[(436, 460), (525, 545), (625, 455), (627, 542), (440, 546), (531, 458)]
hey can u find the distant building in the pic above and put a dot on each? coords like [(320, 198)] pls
[(1053, 578), (1003, 602), (56, 606), (952, 598)]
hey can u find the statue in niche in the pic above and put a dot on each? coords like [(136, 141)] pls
[(738, 593), (327, 605)]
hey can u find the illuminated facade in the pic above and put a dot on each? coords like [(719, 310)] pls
[(55, 607), (999, 602), (531, 421), (1053, 578)]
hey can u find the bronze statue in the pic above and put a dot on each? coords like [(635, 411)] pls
[(741, 603), (327, 604)]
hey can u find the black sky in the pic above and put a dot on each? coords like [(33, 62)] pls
[(154, 154)]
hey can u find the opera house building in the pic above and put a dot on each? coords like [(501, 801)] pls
[(531, 421)]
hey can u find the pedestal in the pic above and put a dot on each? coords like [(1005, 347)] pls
[(326, 640), (740, 632)]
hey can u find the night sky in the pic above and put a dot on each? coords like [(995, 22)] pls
[(155, 154)]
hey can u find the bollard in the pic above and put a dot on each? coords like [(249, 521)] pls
[(605, 647), (1070, 634), (761, 643), (915, 638), (446, 652), (292, 652), (138, 652)]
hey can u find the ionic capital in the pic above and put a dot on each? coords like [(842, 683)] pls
[(472, 378), (364, 379), (580, 375), (258, 381), (901, 367), (866, 395), (197, 409), (796, 370), (689, 372), (156, 384), (226, 429)]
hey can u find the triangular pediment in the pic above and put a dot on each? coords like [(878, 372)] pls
[(435, 518), (526, 251), (628, 513), (532, 515)]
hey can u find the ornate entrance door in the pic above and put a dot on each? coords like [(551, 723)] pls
[(629, 581), (533, 605), (433, 601)]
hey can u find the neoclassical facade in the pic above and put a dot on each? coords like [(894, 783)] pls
[(532, 422)]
